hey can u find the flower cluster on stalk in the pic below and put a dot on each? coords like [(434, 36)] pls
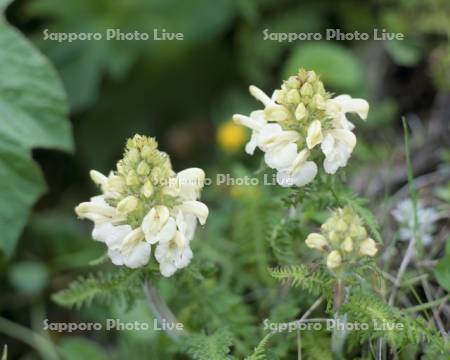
[(299, 118), (343, 239), (145, 203)]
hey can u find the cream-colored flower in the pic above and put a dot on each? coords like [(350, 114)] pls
[(127, 205), (190, 183), (299, 173), (299, 116), (338, 107), (255, 122), (368, 247), (157, 225), (316, 241), (272, 110), (334, 259), (98, 211), (314, 136), (347, 244), (125, 216), (196, 208), (337, 147)]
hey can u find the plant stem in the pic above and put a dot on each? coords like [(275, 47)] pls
[(43, 346), (163, 315), (428, 305)]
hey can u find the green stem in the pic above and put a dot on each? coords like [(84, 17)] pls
[(428, 305), (44, 347), (412, 188), (164, 316)]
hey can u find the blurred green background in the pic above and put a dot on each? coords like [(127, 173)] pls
[(184, 93)]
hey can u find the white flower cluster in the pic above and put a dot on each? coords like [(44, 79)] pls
[(295, 120), (426, 217), (145, 203), (343, 239)]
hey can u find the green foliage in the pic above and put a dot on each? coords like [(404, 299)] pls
[(209, 347), (117, 285), (33, 114), (315, 282), (340, 69), (358, 204), (78, 348), (260, 351), (316, 345), (442, 269), (28, 277), (367, 307)]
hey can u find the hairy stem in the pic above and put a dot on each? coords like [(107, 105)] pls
[(163, 315)]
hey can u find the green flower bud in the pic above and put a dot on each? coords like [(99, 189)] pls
[(143, 169), (293, 97), (306, 90), (147, 190), (132, 178)]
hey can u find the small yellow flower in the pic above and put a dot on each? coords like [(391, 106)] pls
[(231, 137)]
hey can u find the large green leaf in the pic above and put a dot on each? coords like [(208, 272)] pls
[(33, 113)]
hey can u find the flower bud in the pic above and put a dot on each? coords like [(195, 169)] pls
[(127, 205), (133, 155), (358, 231), (147, 189), (97, 177), (334, 259), (316, 241), (143, 169), (132, 178), (306, 89), (276, 113), (368, 247), (293, 82), (314, 136), (293, 97), (347, 244), (301, 112)]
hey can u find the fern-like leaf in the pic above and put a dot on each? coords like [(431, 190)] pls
[(367, 307), (260, 351), (366, 215), (105, 287), (212, 347), (314, 282)]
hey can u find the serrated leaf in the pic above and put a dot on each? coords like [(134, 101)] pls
[(33, 111)]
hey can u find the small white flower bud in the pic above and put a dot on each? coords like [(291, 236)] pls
[(316, 241), (368, 247), (97, 177), (147, 189), (127, 205), (293, 97), (347, 244), (276, 113), (314, 136), (334, 259), (143, 169), (301, 111), (306, 89)]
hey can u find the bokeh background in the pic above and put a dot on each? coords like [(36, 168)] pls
[(184, 93)]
